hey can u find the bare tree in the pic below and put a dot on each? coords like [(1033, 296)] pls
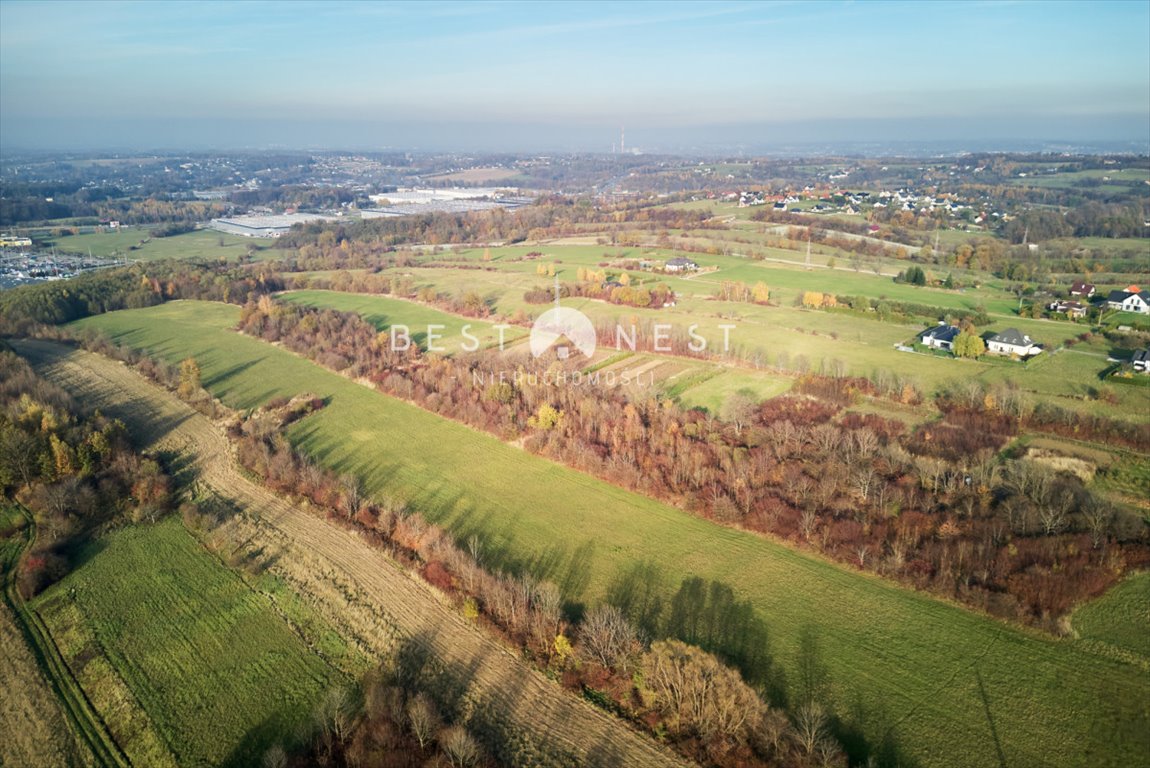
[(1052, 513), (352, 494), (699, 694), (607, 637), (811, 726), (739, 409), (866, 442), (475, 548), (1099, 518), (423, 719), (460, 749), (808, 523)]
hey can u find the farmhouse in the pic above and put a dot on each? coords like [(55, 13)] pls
[(1071, 308), (1079, 288), (1130, 300), (1141, 360), (680, 264), (941, 336), (1012, 342)]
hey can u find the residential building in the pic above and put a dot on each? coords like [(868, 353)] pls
[(1080, 288), (941, 336), (1132, 299), (1012, 342), (680, 264)]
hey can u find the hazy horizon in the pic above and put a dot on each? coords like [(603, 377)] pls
[(498, 76)]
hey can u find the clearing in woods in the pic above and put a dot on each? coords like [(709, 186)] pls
[(539, 710), (950, 686)]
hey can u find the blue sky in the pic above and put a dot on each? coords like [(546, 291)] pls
[(506, 75)]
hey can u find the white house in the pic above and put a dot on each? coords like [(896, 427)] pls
[(941, 336), (680, 264), (1130, 300), (1012, 342), (1141, 360), (1071, 308)]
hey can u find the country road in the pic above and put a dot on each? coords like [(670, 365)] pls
[(555, 718)]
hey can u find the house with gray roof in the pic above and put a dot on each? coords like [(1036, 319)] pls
[(1012, 342), (1130, 300), (680, 264), (941, 336), (1141, 361)]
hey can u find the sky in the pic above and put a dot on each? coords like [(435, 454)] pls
[(519, 76)]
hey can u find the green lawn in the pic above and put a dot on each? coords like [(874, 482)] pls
[(943, 682), (153, 621)]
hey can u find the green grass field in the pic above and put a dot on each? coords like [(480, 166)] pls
[(712, 393), (384, 312), (1121, 618), (201, 244), (952, 688), (156, 623)]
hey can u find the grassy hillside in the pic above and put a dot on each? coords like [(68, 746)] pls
[(179, 655), (384, 312), (953, 688)]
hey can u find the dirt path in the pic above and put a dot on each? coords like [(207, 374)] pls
[(537, 705)]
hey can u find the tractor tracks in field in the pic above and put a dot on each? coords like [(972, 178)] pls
[(496, 676)]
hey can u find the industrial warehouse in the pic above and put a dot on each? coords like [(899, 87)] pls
[(266, 225)]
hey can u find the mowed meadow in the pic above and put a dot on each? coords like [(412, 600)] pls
[(951, 688), (186, 663)]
